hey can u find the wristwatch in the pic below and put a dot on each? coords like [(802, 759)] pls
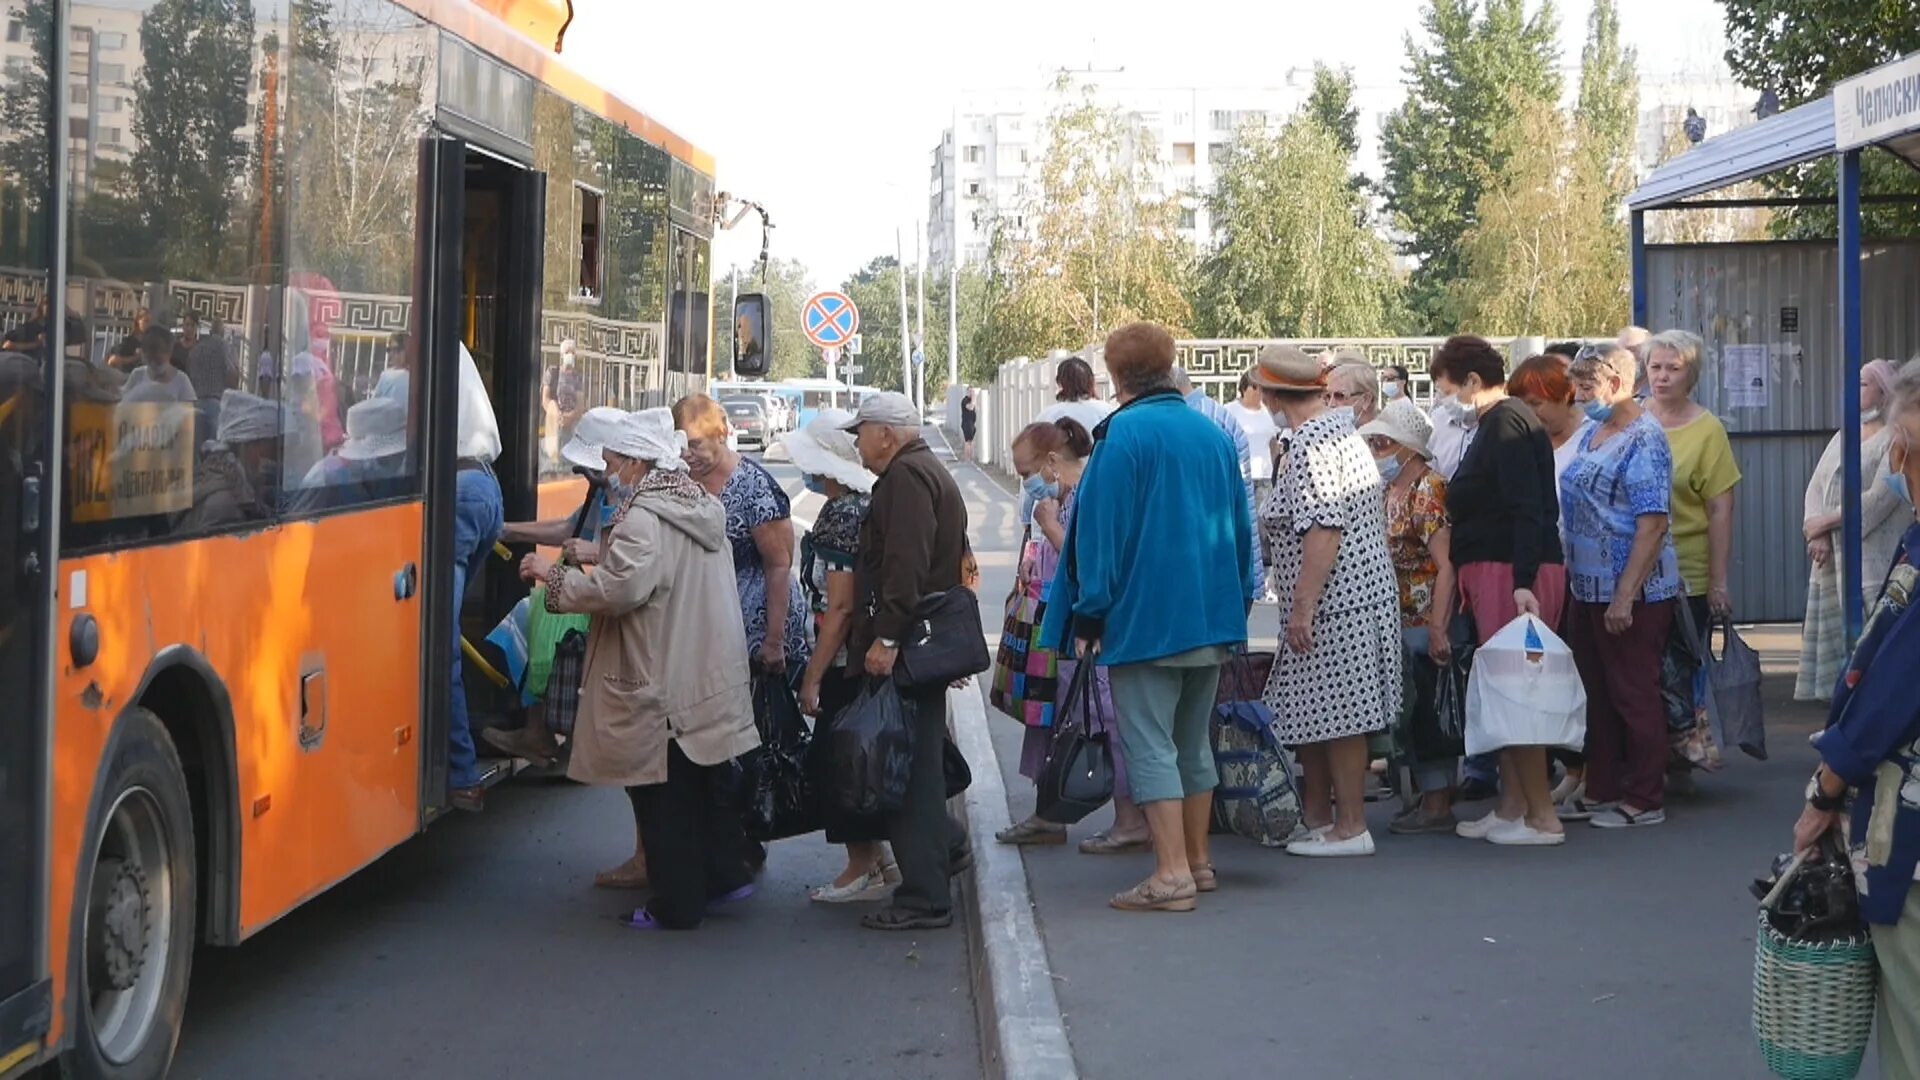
[(1822, 801), (888, 643)]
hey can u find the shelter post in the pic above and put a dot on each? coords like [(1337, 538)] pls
[(1637, 254), (1850, 348)]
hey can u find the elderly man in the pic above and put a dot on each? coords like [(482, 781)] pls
[(1224, 419), (1154, 583), (911, 546)]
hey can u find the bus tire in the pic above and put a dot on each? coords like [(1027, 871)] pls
[(132, 941)]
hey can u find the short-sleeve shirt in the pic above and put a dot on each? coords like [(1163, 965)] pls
[(1703, 469), (753, 499), (1326, 477), (1604, 493), (143, 387), (1413, 516), (832, 546)]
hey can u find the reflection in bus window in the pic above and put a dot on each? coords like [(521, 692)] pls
[(370, 465)]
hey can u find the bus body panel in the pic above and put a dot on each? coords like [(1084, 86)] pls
[(264, 609)]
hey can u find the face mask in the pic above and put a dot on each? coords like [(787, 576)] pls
[(1389, 468), (815, 485), (1390, 390), (1896, 478), (1597, 411), (1869, 416), (1038, 489), (618, 490)]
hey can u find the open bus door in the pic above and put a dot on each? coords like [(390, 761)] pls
[(26, 562)]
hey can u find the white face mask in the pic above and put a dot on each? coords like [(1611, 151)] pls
[(1390, 390)]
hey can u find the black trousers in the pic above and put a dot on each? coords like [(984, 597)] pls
[(924, 838), (691, 828)]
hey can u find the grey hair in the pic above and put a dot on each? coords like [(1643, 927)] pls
[(1178, 378), (1634, 339), (1620, 360), (1906, 389), (1683, 344), (1365, 376)]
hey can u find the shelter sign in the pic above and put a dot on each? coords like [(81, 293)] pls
[(1878, 105)]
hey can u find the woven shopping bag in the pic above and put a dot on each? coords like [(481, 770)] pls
[(1812, 999)]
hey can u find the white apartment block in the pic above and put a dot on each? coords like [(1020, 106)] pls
[(987, 165)]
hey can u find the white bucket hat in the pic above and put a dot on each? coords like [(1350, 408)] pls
[(1404, 423), (825, 448), (376, 428), (248, 417), (649, 435), (590, 436)]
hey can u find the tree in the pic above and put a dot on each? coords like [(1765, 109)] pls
[(1102, 245), (787, 285), (24, 111), (1295, 259), (1440, 146), (1330, 104), (1799, 49), (1608, 110), (1545, 254), (190, 104)]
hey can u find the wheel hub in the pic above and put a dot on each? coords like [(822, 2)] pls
[(124, 903)]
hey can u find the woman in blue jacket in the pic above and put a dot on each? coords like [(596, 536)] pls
[(1154, 579), (1872, 745)]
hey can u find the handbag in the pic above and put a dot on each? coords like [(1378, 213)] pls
[(1023, 672), (778, 790), (944, 643), (1814, 970), (1256, 798), (1077, 778), (1734, 676)]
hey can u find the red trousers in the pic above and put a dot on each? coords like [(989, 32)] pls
[(1626, 722)]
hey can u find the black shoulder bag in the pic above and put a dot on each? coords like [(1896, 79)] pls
[(944, 643)]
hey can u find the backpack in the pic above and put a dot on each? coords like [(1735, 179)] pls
[(1256, 798)]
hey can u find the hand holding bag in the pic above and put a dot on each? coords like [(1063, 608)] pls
[(1734, 675), (1525, 691), (1814, 969), (1077, 778), (778, 794), (870, 753), (944, 644)]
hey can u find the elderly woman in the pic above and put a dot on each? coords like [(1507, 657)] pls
[(825, 454), (1704, 473), (1337, 678), (1624, 579), (760, 528), (1823, 635), (1355, 384), (1159, 601), (1506, 543), (1871, 746), (1418, 539), (666, 707)]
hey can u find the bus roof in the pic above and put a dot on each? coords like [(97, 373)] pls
[(500, 27)]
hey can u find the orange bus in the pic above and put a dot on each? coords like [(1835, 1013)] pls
[(225, 670)]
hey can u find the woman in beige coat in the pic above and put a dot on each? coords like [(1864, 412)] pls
[(664, 704)]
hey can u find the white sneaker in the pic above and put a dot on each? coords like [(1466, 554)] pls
[(1521, 834), (1478, 828), (1324, 847)]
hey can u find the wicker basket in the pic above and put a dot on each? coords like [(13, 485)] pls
[(1812, 1002)]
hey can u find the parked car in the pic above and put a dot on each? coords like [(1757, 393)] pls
[(748, 418)]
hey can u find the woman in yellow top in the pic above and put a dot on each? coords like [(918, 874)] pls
[(1704, 473)]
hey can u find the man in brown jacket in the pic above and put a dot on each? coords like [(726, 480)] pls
[(911, 546)]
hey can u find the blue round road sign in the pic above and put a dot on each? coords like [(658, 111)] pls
[(829, 319)]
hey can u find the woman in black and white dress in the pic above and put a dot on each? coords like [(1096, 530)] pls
[(1337, 678)]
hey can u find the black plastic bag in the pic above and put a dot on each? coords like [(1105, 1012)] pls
[(1679, 662), (1078, 776), (778, 797), (953, 767), (870, 753), (1437, 728)]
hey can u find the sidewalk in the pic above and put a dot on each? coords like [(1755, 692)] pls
[(1619, 954)]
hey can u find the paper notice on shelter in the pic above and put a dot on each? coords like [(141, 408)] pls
[(1747, 376)]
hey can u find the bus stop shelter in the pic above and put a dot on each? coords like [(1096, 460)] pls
[(1875, 112)]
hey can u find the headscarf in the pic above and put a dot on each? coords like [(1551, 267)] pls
[(649, 435)]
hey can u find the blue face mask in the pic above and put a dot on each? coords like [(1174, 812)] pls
[(1598, 411), (1389, 468), (1039, 490), (1897, 483), (815, 485), (618, 491)]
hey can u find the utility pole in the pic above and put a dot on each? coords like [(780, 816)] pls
[(953, 321), (733, 327), (906, 338), (920, 318)]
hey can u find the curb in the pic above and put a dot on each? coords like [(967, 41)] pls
[(1023, 1035)]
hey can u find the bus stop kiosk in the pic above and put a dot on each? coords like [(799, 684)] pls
[(1874, 112)]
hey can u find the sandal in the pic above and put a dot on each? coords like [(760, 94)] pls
[(1205, 880), (1032, 831), (639, 920), (631, 874), (1105, 843), (868, 886), (1150, 895)]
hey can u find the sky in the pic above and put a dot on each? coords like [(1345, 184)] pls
[(827, 114)]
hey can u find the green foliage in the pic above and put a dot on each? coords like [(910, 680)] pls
[(1478, 60), (1295, 259), (191, 103), (1331, 106), (1102, 246), (1799, 49), (1608, 109)]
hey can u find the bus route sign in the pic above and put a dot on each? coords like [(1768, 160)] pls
[(829, 319)]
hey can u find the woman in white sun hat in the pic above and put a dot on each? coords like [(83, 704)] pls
[(824, 453), (583, 451)]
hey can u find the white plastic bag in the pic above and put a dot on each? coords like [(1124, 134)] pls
[(478, 431), (1525, 691)]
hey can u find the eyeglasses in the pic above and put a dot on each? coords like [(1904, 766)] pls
[(1379, 442), (1341, 397)]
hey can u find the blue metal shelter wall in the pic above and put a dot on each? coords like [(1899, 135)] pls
[(1784, 296)]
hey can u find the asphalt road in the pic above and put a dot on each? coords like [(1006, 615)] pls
[(1617, 955), (480, 949)]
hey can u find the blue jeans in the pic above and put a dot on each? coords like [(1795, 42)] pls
[(478, 515)]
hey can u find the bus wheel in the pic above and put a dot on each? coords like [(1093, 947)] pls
[(133, 946)]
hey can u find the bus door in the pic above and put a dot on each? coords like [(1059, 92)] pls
[(484, 277), (26, 564)]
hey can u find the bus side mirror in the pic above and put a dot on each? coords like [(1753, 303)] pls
[(752, 350)]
